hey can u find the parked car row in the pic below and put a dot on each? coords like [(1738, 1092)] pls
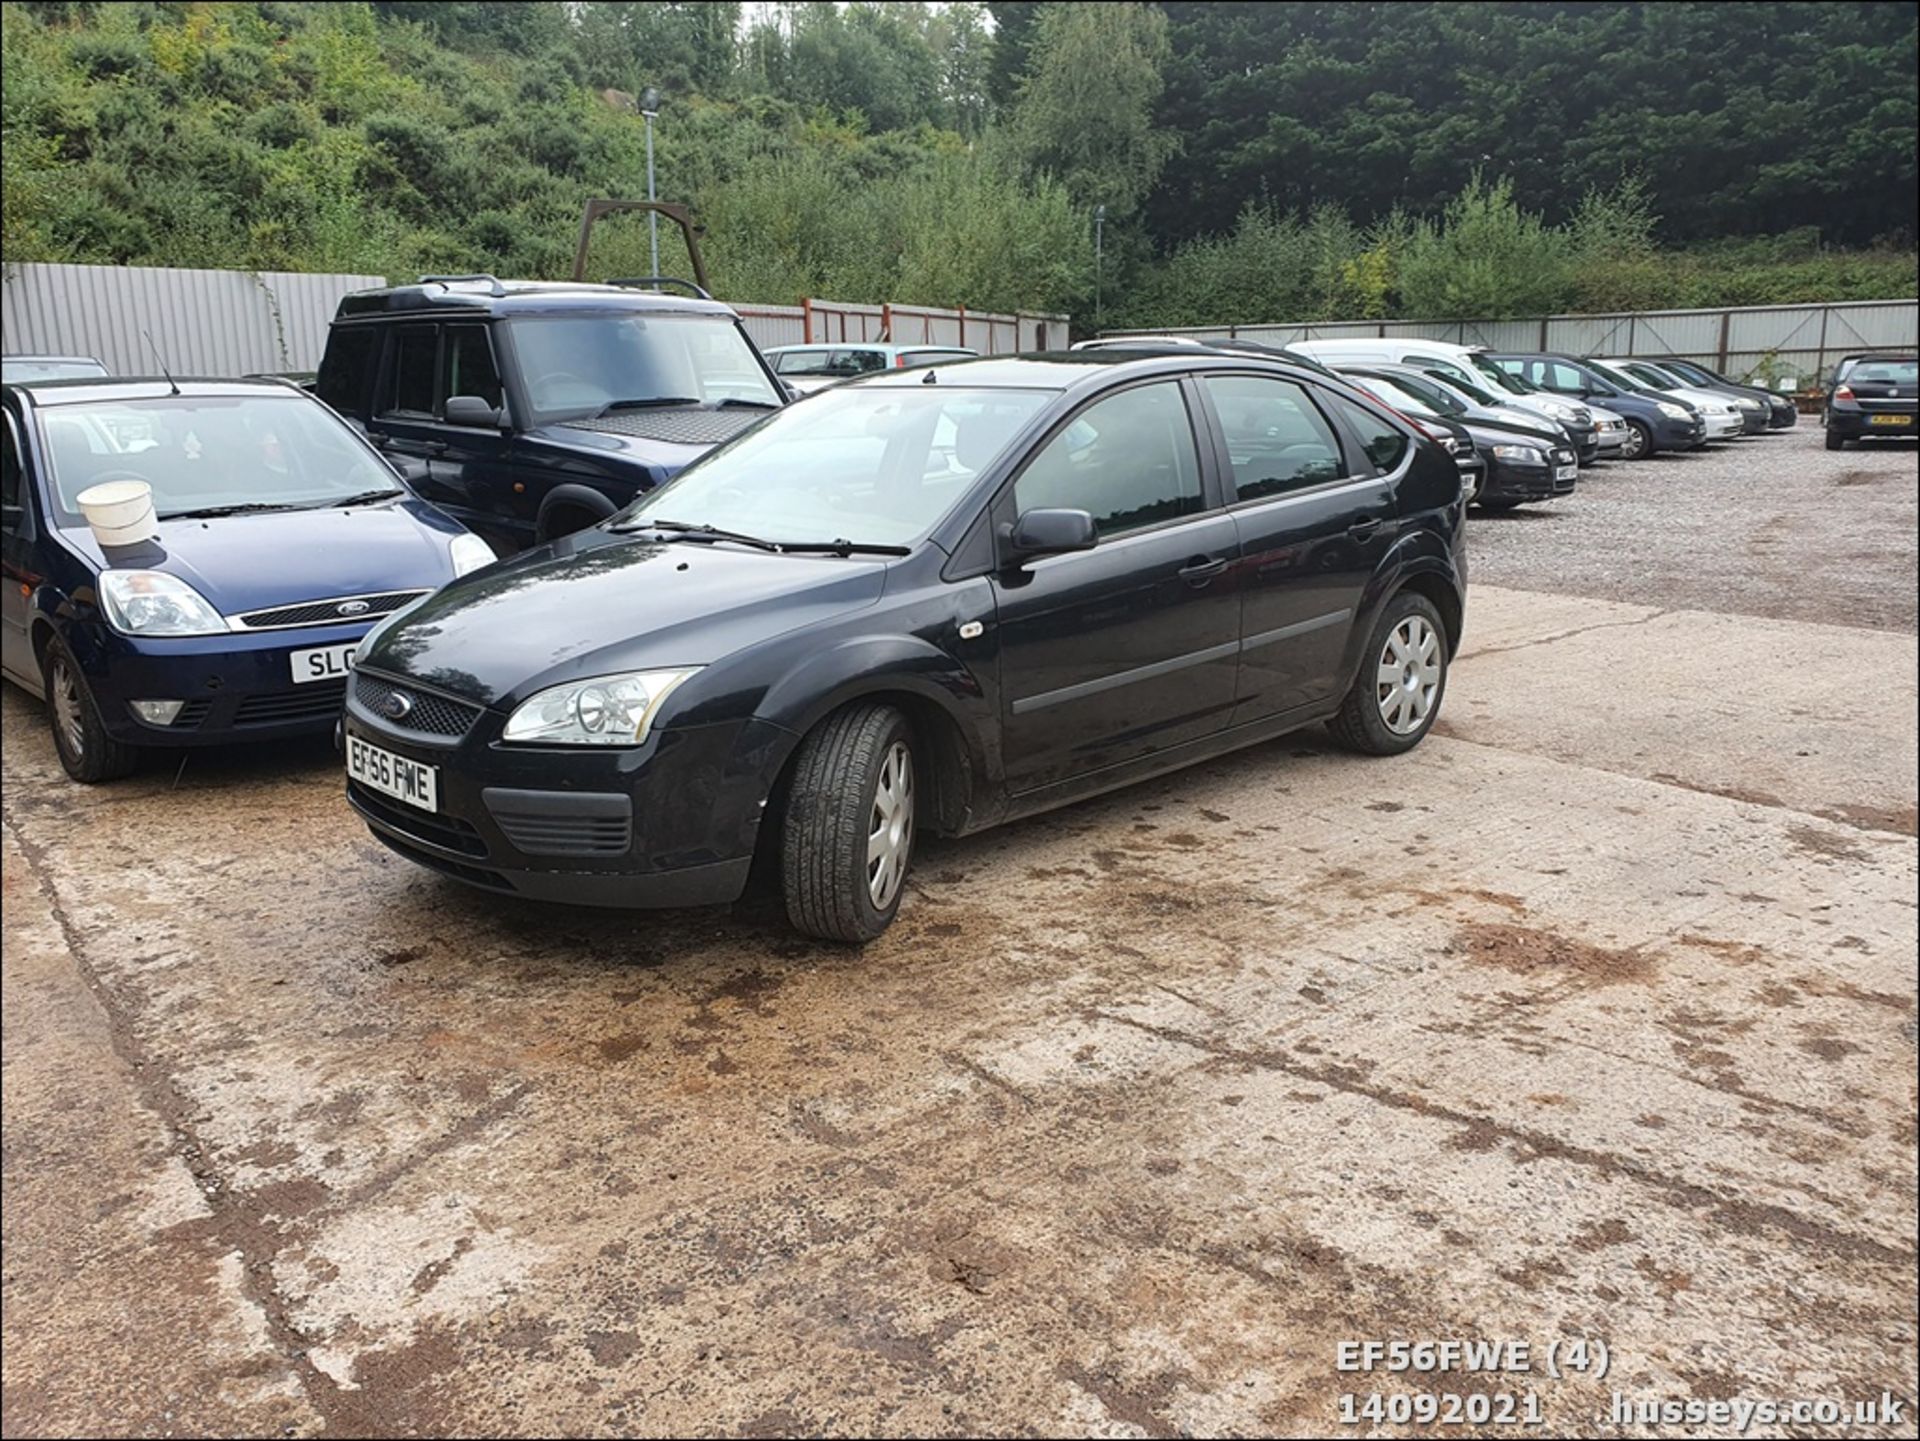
[(597, 613)]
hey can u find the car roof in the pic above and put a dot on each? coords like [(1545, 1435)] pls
[(889, 346), (1069, 369), (485, 294), (56, 359), (82, 389)]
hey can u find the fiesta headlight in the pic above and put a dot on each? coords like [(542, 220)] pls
[(469, 553), (151, 602), (1525, 454), (607, 710), (1677, 412)]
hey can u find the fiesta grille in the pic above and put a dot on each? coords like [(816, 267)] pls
[(430, 714), (321, 612), (316, 702)]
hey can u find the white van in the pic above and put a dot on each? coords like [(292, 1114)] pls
[(1469, 363)]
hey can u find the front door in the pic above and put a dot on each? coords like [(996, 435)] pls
[(16, 539), (1316, 518), (1114, 653)]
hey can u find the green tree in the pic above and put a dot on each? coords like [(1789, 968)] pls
[(1085, 108)]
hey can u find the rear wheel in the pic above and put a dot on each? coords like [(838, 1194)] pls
[(89, 754), (1835, 440), (1639, 442), (1403, 675), (847, 835)]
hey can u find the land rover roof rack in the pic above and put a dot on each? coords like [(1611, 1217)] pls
[(494, 287), (654, 282)]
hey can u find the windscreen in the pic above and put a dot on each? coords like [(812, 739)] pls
[(875, 465), (1886, 372), (1434, 396), (19, 368), (1392, 394), (1497, 379), (574, 366), (278, 452), (1626, 382)]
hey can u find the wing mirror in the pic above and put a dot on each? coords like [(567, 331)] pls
[(1051, 532), (410, 468), (473, 412)]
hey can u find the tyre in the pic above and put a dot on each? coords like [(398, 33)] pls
[(1505, 504), (89, 754), (847, 835), (1639, 441), (1835, 440), (1403, 676)]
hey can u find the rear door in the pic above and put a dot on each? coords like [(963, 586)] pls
[(1306, 476), (1112, 654), (17, 532)]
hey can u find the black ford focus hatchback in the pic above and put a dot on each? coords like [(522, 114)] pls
[(929, 600)]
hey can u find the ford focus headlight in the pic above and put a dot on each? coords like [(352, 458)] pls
[(607, 710), (469, 553), (151, 602), (1677, 412)]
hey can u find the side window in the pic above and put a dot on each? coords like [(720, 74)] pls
[(410, 373), (1383, 444), (802, 362), (1565, 377), (1128, 459), (470, 367), (12, 496), (1276, 440), (350, 354), (1513, 367)]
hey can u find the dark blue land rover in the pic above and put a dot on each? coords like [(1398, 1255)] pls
[(528, 409)]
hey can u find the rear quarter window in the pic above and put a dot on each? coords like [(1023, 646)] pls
[(345, 367)]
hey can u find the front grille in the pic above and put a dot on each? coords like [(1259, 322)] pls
[(430, 714), (448, 832), (318, 702), (320, 612), (472, 875), (191, 715)]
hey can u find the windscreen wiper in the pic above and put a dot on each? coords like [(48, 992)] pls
[(366, 497), (682, 530), (208, 512), (737, 403)]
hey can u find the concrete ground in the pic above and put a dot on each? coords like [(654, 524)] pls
[(1593, 1019)]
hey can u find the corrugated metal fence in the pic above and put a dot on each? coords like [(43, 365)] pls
[(203, 322), (824, 322), (239, 322), (1791, 342)]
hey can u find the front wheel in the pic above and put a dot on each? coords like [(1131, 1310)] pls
[(1396, 696), (89, 754), (1639, 442), (847, 835)]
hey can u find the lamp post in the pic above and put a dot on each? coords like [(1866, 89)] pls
[(1099, 226), (650, 107)]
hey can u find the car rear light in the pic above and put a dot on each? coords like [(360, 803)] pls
[(900, 361), (1845, 392)]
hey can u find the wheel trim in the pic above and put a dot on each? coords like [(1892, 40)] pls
[(1407, 681), (890, 830), (1635, 444), (68, 715)]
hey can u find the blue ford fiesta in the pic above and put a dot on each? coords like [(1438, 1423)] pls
[(280, 537)]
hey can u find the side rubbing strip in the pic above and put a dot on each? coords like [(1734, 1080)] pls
[(1125, 677), (1288, 632)]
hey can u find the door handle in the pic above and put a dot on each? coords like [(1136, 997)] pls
[(1200, 570), (1364, 529)]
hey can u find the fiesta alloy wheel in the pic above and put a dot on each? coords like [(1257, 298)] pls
[(87, 752)]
